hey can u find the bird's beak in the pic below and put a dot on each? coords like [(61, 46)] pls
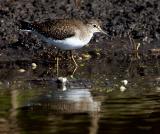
[(102, 31)]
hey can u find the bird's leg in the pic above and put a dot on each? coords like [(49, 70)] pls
[(76, 65), (72, 57), (73, 72), (57, 60)]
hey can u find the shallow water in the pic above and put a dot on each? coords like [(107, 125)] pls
[(94, 101)]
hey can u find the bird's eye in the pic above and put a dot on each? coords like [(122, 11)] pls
[(94, 25)]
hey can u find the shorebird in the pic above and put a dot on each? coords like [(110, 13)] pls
[(65, 34)]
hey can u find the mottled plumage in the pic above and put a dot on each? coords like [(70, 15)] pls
[(57, 29)]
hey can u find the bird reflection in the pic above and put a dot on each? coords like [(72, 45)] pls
[(66, 99)]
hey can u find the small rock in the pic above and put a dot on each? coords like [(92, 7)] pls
[(80, 58), (2, 21), (125, 82), (62, 79), (22, 70), (34, 65), (122, 88)]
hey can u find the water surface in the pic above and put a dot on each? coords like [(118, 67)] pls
[(94, 101)]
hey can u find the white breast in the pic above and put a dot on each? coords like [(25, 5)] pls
[(74, 42), (69, 43)]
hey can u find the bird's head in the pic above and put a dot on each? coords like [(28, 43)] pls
[(94, 26)]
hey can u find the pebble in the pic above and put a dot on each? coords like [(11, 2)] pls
[(122, 88), (125, 82), (80, 58), (62, 79), (2, 21), (21, 70), (34, 65)]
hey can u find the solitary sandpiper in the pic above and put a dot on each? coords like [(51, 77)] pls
[(65, 34)]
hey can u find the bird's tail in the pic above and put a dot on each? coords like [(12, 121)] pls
[(26, 26)]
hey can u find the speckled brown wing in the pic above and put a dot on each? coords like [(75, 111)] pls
[(56, 29)]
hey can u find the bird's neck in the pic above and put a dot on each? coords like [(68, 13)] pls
[(85, 37), (85, 32)]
